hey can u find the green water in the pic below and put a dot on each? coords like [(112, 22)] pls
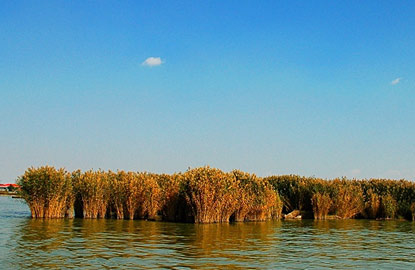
[(107, 244)]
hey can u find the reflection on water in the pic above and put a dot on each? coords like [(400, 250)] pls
[(97, 244), (118, 243)]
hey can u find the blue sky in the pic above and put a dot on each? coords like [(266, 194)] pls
[(323, 88)]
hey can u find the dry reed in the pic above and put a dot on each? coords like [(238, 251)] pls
[(170, 186), (321, 203), (211, 194), (93, 188), (206, 195), (48, 192)]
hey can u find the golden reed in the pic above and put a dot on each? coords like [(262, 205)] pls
[(209, 195)]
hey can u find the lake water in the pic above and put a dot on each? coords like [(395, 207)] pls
[(108, 244)]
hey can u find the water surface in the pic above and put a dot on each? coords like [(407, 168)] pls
[(111, 244)]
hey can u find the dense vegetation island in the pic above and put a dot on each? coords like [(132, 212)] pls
[(207, 195)]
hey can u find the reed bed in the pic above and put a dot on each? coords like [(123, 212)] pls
[(344, 199), (209, 195)]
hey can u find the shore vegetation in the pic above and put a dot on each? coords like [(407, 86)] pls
[(209, 195)]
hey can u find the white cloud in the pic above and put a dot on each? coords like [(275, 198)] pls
[(152, 62), (396, 81)]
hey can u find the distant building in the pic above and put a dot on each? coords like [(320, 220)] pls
[(8, 187)]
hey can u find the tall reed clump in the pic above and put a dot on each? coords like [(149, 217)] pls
[(93, 189), (211, 194), (152, 195), (48, 192), (257, 200), (134, 193), (295, 191), (389, 206), (141, 194), (118, 190), (171, 196), (267, 204), (348, 198), (276, 212), (321, 203), (372, 204), (246, 195)]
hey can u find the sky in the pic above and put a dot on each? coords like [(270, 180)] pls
[(314, 88)]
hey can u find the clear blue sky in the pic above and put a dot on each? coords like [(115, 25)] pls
[(323, 88)]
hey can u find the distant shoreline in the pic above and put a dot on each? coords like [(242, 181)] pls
[(7, 193)]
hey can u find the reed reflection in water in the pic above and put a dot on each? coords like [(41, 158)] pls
[(120, 243)]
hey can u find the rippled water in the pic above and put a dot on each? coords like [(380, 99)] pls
[(105, 244)]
